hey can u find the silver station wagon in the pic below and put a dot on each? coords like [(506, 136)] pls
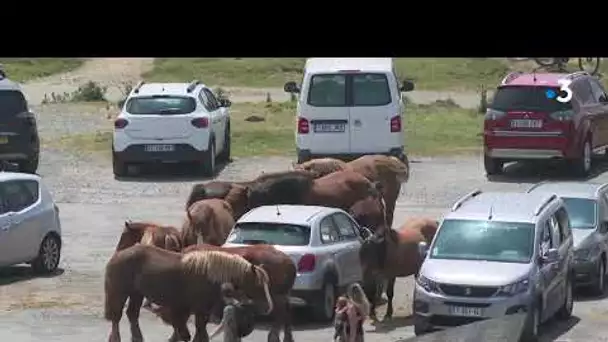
[(497, 254), (323, 243)]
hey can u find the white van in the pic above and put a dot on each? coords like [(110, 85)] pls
[(349, 107)]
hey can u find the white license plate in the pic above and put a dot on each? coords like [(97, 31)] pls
[(159, 148), (329, 128), (525, 123), (465, 311)]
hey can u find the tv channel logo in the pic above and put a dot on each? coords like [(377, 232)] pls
[(565, 93)]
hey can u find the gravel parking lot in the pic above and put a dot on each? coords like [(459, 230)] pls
[(68, 307)]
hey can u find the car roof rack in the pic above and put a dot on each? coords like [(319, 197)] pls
[(544, 203), (136, 89), (192, 85), (465, 198), (511, 76), (576, 74)]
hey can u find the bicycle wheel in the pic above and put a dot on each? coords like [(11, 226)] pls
[(589, 64), (545, 61)]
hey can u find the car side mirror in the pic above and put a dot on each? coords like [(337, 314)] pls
[(365, 232), (225, 103), (407, 86), (551, 256), (291, 87), (423, 249)]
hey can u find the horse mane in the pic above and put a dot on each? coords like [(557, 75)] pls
[(147, 238), (197, 193), (217, 266)]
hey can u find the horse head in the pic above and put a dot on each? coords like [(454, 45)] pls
[(131, 234)]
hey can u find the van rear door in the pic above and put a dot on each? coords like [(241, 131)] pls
[(324, 108), (375, 114)]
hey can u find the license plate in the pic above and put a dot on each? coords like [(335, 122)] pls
[(3, 140), (465, 311), (525, 123), (329, 128), (159, 148)]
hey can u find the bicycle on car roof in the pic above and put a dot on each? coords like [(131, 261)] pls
[(588, 64)]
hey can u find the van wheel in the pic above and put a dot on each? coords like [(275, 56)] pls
[(599, 285), (208, 163), (493, 166), (582, 166), (48, 255), (302, 158), (323, 309)]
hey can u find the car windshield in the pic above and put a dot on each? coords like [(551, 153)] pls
[(582, 212), (523, 98), (270, 233), (484, 240), (356, 90), (160, 105)]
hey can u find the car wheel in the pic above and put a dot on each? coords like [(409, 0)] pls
[(208, 163), (118, 167), (420, 328), (599, 284), (225, 155), (493, 166), (530, 332), (302, 158), (323, 310), (566, 310), (48, 255), (582, 165), (30, 165)]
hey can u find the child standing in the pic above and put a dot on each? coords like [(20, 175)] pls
[(340, 320), (229, 319)]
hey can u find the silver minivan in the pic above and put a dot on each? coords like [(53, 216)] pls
[(496, 254)]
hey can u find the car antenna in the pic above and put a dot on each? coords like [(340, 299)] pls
[(534, 73), (490, 214), (278, 211)]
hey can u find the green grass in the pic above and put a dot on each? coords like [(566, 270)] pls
[(25, 69), (428, 73), (437, 129)]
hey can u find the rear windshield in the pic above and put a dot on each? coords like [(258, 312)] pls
[(523, 98), (161, 105), (270, 233), (12, 103), (340, 90)]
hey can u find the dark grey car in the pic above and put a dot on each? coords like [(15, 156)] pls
[(587, 206)]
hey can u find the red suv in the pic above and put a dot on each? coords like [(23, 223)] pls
[(526, 121)]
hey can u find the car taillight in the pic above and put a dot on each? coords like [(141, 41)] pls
[(564, 115), (200, 122), (492, 114), (303, 126), (396, 123), (120, 123), (307, 263)]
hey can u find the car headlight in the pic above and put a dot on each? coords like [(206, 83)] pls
[(427, 284), (515, 288)]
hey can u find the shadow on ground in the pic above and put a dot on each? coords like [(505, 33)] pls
[(156, 173), (15, 274), (553, 330), (584, 295), (385, 325), (537, 171)]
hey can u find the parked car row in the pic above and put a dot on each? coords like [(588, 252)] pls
[(502, 253)]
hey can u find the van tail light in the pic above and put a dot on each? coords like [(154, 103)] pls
[(200, 122), (303, 126), (396, 123), (120, 123), (307, 263)]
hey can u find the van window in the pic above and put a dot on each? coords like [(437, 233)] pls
[(327, 90), (371, 90)]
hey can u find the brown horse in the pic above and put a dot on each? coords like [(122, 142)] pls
[(388, 170), (235, 193), (341, 189), (289, 187), (389, 254), (186, 284), (207, 221), (281, 273), (148, 233), (369, 212)]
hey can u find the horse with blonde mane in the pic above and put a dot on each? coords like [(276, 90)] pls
[(149, 233), (207, 221), (184, 283), (390, 253)]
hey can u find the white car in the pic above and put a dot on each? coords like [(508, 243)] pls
[(30, 231), (349, 107), (171, 122), (323, 243)]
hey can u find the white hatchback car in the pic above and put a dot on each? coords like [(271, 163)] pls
[(323, 243), (171, 122), (30, 231)]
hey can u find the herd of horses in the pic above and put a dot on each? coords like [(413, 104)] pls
[(178, 272)]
